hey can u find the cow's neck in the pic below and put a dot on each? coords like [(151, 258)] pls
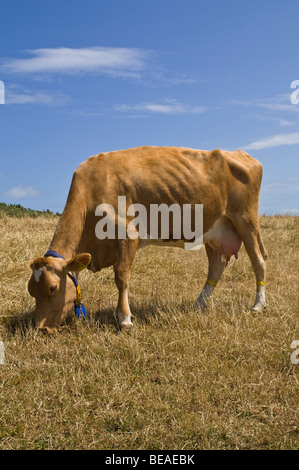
[(68, 233)]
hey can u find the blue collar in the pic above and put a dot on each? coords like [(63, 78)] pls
[(80, 310), (57, 255)]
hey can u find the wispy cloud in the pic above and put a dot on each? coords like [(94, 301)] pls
[(281, 102), (18, 96), (285, 123), (2, 92), (276, 140), (289, 212), (172, 107), (67, 60), (283, 194), (263, 117), (290, 185), (22, 192)]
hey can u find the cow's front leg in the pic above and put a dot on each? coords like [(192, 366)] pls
[(122, 269), (217, 263)]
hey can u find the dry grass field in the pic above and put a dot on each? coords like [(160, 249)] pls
[(181, 380)]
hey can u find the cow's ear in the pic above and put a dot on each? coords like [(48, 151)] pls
[(78, 263), (37, 263)]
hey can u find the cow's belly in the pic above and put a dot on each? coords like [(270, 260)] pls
[(222, 237), (159, 242)]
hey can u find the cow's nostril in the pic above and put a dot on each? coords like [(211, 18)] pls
[(47, 330), (52, 289), (44, 330)]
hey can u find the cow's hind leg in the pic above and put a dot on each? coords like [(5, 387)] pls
[(251, 236), (122, 269), (217, 263)]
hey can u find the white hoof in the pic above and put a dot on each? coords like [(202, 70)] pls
[(200, 304), (202, 301), (124, 321), (260, 302), (126, 327)]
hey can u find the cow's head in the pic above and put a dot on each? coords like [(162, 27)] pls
[(53, 289)]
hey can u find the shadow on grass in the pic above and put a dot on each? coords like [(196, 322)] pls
[(24, 323), (21, 324), (106, 317), (145, 313)]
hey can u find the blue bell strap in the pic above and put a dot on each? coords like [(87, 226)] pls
[(80, 310)]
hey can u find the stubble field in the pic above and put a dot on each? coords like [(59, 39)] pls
[(182, 379)]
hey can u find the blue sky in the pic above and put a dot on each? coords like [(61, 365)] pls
[(82, 78)]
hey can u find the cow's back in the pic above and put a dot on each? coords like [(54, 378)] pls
[(155, 175)]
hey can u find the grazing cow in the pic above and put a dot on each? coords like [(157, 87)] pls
[(227, 184)]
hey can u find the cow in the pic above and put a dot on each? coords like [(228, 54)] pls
[(225, 183)]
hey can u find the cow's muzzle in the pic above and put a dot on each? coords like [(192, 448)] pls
[(49, 330)]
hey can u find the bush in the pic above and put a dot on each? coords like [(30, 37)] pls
[(16, 210)]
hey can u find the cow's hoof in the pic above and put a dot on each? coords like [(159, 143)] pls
[(124, 321), (200, 306), (202, 303), (126, 327), (258, 307), (260, 302)]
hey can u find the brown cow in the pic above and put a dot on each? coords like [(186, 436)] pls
[(227, 184)]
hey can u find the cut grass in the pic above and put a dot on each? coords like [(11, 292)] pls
[(181, 380)]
